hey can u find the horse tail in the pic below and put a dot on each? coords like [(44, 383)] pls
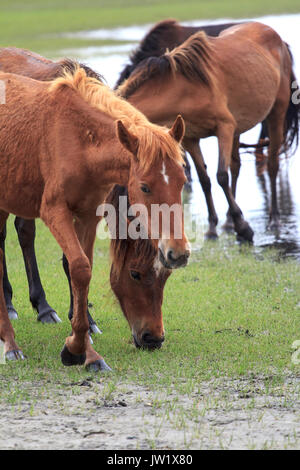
[(292, 117)]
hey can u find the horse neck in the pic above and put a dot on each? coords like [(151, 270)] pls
[(109, 162)]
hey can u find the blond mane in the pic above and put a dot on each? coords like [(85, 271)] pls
[(154, 141)]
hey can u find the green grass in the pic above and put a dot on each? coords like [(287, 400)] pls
[(37, 24), (230, 313)]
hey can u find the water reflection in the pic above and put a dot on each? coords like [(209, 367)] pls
[(253, 191)]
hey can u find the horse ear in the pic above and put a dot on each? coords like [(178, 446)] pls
[(128, 140), (178, 129)]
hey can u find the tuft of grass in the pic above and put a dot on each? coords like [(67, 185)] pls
[(230, 313)]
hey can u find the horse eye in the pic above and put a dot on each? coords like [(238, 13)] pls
[(135, 275), (145, 188)]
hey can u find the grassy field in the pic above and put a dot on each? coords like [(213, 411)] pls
[(230, 313), (38, 24), (233, 313)]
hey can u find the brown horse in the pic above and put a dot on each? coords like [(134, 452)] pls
[(60, 155), (29, 64), (138, 278), (166, 35), (223, 86)]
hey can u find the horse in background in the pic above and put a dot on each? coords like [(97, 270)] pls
[(166, 35), (63, 145), (223, 86)]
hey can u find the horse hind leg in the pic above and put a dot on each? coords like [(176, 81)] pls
[(26, 235), (7, 289), (275, 122), (7, 335)]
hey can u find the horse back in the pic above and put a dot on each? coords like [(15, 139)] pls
[(27, 63)]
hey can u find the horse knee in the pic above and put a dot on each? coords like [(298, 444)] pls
[(81, 273)]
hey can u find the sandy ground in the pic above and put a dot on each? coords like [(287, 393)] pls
[(226, 415)]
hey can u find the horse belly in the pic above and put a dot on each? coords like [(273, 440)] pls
[(20, 191), (252, 86), (251, 108)]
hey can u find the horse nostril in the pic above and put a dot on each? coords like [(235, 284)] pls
[(171, 256), (147, 338), (151, 342)]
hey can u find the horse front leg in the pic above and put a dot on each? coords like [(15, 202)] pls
[(192, 146), (235, 165), (225, 134), (26, 235), (77, 349), (93, 325), (7, 335)]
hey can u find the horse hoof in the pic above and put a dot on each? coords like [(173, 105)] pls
[(69, 359), (94, 329), (228, 227), (49, 317), (273, 225), (211, 235), (98, 365), (14, 355), (12, 314), (245, 234)]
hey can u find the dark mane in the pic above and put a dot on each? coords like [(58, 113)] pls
[(193, 60), (153, 44), (72, 65), (144, 251)]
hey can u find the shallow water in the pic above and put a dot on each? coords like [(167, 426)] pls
[(253, 192)]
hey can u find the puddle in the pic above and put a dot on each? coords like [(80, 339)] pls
[(253, 193)]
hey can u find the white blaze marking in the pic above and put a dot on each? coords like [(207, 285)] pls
[(163, 172)]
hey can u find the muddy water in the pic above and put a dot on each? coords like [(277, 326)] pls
[(253, 192)]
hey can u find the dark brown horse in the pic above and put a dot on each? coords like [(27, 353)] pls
[(63, 145), (223, 86)]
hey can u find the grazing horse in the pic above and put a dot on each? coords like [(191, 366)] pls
[(223, 87), (137, 279), (63, 145)]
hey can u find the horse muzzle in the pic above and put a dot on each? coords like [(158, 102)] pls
[(148, 341), (174, 260)]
